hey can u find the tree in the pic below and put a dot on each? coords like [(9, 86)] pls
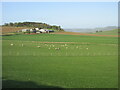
[(11, 24), (34, 25)]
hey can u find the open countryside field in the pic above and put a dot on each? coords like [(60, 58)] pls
[(110, 32), (60, 61)]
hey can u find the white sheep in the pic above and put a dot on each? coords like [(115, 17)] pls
[(38, 46), (87, 48), (57, 48), (76, 46), (65, 44), (11, 44)]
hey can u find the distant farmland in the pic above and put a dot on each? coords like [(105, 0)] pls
[(110, 32), (60, 61), (11, 29)]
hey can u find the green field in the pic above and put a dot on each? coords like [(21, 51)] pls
[(110, 32), (87, 62)]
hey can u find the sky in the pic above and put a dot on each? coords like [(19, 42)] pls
[(64, 14)]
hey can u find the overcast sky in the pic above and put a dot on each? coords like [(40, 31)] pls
[(65, 14)]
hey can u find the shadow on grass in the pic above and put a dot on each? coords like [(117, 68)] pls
[(6, 34), (24, 84)]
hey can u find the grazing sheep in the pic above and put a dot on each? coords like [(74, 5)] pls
[(76, 46), (11, 44), (65, 44), (38, 46), (57, 48), (49, 48), (87, 48)]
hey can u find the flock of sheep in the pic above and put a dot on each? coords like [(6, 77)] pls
[(66, 46), (56, 48)]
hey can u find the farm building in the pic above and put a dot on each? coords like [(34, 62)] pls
[(37, 30), (45, 31), (42, 30)]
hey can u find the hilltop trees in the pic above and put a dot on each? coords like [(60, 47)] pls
[(34, 25)]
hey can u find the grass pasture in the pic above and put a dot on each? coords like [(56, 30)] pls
[(80, 62), (110, 32)]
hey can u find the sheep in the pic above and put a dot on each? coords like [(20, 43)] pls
[(87, 48), (57, 48), (48, 48), (38, 46), (65, 44), (76, 46), (11, 44)]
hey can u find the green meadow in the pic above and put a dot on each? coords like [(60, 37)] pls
[(59, 61), (110, 32)]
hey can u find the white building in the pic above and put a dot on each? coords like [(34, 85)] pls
[(37, 29), (31, 30), (43, 30)]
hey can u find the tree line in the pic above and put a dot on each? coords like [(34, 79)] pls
[(34, 25)]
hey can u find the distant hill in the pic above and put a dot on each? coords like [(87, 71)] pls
[(106, 28), (33, 25), (90, 30)]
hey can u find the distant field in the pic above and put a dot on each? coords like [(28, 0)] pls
[(80, 62), (11, 29), (111, 32)]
